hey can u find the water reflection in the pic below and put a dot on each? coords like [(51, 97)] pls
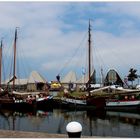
[(117, 124), (95, 123)]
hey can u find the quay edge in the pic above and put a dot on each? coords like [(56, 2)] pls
[(24, 134)]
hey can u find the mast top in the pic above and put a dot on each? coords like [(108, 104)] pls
[(16, 34), (1, 44), (89, 55)]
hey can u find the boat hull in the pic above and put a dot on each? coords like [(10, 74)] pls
[(88, 104), (98, 103), (123, 105), (20, 105), (44, 104), (68, 103), (17, 106)]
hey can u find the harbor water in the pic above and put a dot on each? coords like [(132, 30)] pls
[(94, 123)]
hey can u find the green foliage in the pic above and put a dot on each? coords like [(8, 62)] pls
[(73, 94), (132, 75)]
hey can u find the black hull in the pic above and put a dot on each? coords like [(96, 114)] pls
[(132, 108), (77, 107), (17, 106), (45, 104), (24, 106), (98, 102), (72, 106)]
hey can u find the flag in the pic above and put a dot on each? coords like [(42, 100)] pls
[(83, 71)]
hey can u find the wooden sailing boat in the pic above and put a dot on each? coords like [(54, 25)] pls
[(98, 102), (90, 101), (21, 100), (6, 99), (125, 99), (33, 99)]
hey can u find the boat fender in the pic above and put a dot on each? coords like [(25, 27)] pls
[(133, 97), (126, 97)]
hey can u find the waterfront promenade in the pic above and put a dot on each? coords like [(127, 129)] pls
[(23, 134)]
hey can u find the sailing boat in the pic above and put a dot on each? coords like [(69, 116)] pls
[(122, 99), (89, 101), (39, 100), (5, 98), (125, 99), (22, 100)]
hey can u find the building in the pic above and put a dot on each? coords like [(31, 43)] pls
[(36, 82), (69, 80), (113, 78)]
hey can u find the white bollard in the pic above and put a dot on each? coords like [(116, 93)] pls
[(74, 129)]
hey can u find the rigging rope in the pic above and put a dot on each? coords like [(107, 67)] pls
[(72, 57)]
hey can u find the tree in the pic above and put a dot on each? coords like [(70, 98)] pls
[(132, 75)]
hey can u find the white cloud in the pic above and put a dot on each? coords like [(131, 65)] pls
[(120, 52), (43, 37), (121, 8)]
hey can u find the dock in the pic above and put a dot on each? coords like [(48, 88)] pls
[(25, 134)]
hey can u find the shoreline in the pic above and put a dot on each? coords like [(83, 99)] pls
[(25, 134)]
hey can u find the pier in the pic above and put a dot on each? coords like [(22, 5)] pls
[(24, 134)]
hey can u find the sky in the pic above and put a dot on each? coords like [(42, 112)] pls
[(53, 36)]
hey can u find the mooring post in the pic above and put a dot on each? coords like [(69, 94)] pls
[(74, 129)]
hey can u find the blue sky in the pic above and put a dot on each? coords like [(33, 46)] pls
[(51, 35)]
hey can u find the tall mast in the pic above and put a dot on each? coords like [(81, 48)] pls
[(14, 68), (0, 64), (102, 77), (89, 55)]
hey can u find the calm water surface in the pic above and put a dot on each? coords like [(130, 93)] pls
[(99, 123)]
